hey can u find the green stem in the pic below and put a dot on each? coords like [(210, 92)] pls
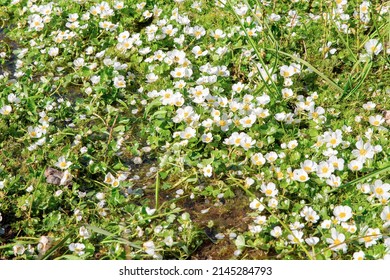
[(157, 189)]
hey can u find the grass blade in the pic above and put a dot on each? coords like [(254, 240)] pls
[(55, 247), (362, 179)]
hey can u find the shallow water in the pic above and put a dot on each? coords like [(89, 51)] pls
[(7, 45)]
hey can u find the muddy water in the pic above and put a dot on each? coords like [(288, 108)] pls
[(8, 46)]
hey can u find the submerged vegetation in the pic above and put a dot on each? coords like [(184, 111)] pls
[(227, 129)]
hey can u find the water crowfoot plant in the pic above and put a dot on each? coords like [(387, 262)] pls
[(191, 130)]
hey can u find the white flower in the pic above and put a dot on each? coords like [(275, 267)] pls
[(358, 255), (309, 166), (311, 241), (342, 213), (276, 232), (273, 203), (364, 151), (109, 178), (373, 46), (355, 165), (207, 138), (123, 36), (119, 82), (58, 193), (326, 224), (337, 241), (257, 159), (238, 87), (62, 163), (149, 247), (326, 50), (220, 236), (381, 190), (12, 98), (271, 156), (334, 181), (257, 205), (150, 211), (6, 110), (66, 178), (286, 71), (36, 22), (376, 120), (188, 133), (168, 241), (310, 215), (78, 248), (151, 78), (385, 216), (295, 237), (369, 106), (370, 236), (79, 62), (18, 249), (300, 175), (341, 2), (324, 169), (53, 51), (208, 170), (248, 121), (83, 231), (269, 189)]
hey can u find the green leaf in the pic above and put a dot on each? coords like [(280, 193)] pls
[(240, 241)]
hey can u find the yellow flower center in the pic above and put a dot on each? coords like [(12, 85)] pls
[(367, 238), (379, 191)]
